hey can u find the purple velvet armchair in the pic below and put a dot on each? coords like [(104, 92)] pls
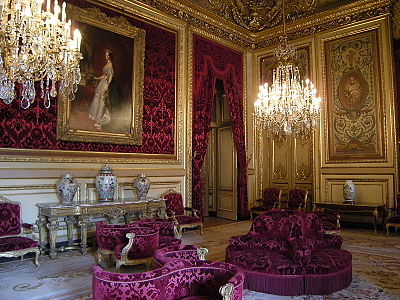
[(178, 279), (167, 254), (394, 218), (271, 198), (108, 236), (297, 199), (288, 253), (168, 231), (184, 217), (12, 243), (140, 248)]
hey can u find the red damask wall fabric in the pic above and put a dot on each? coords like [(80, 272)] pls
[(396, 46), (35, 128), (212, 61)]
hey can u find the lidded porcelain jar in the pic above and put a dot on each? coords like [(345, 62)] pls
[(142, 186), (106, 183), (67, 187), (349, 192)]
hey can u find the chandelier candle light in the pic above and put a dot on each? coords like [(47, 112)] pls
[(35, 46), (289, 105)]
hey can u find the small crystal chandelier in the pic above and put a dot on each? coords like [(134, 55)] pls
[(289, 105), (35, 46)]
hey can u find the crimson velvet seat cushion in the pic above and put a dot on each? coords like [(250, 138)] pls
[(288, 253), (16, 243), (178, 279)]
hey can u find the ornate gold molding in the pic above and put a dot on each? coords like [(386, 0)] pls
[(259, 15), (218, 26), (344, 16)]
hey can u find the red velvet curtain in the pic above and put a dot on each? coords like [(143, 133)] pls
[(213, 61)]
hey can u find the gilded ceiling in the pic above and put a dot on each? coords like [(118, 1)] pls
[(257, 15)]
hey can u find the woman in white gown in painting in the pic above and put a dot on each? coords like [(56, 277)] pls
[(99, 110)]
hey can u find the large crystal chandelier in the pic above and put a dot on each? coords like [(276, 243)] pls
[(35, 46), (289, 105)]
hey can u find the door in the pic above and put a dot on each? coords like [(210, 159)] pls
[(226, 174)]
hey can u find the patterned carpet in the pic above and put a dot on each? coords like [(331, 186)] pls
[(376, 269)]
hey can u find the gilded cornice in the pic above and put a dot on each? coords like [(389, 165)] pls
[(204, 20), (344, 16)]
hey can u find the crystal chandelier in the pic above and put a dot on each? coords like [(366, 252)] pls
[(289, 105), (35, 46)]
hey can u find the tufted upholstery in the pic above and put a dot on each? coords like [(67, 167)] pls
[(140, 248), (108, 236), (191, 252), (283, 248), (297, 199), (270, 200), (10, 221), (12, 243), (178, 279), (167, 231), (184, 217), (330, 220)]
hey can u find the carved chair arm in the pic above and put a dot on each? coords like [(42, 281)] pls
[(193, 211), (125, 250), (226, 291), (29, 229), (202, 252)]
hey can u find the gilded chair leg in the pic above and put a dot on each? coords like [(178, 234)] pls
[(387, 229), (98, 258), (118, 264), (180, 230), (149, 265), (201, 229), (37, 257)]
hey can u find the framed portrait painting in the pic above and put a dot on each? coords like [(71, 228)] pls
[(108, 104)]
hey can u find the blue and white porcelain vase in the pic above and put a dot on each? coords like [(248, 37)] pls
[(142, 186), (106, 183), (67, 187), (349, 192)]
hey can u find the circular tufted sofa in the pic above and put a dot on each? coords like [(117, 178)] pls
[(177, 279), (288, 253)]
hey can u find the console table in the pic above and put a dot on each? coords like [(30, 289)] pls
[(51, 213), (375, 210)]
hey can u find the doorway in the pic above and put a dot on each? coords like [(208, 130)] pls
[(219, 172)]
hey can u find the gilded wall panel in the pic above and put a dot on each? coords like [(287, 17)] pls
[(303, 159), (370, 189), (354, 101), (280, 165)]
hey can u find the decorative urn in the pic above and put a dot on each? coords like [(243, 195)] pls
[(105, 184), (142, 186), (67, 187), (349, 192)]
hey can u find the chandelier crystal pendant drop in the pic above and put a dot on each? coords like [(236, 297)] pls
[(289, 106), (35, 46)]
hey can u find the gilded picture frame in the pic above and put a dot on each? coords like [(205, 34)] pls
[(353, 95), (108, 104)]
